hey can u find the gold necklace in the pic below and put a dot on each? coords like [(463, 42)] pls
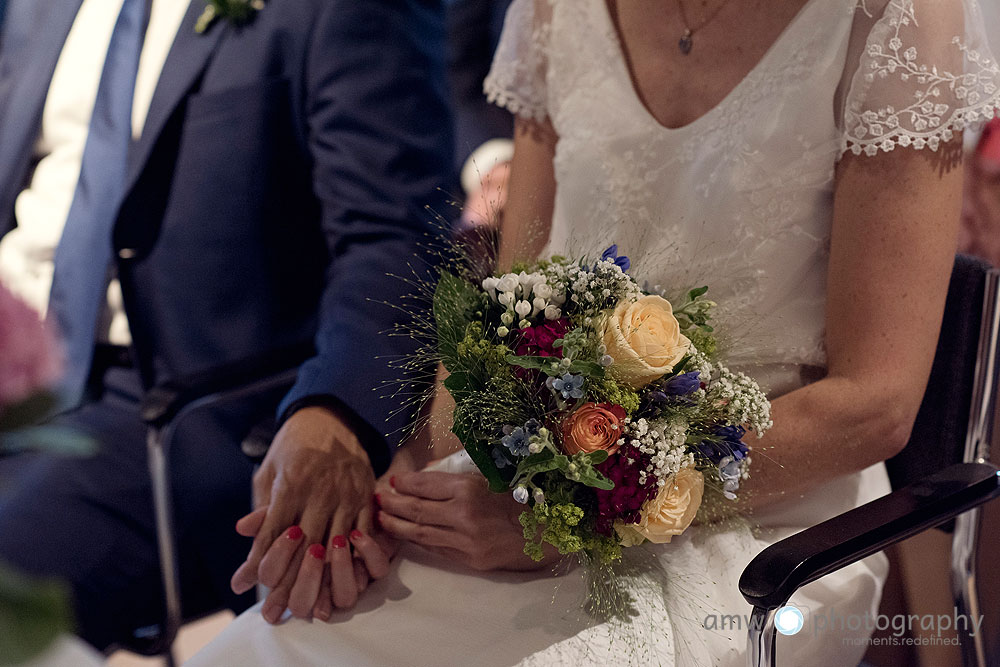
[(687, 41)]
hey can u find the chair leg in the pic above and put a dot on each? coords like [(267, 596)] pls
[(156, 445), (760, 638), (963, 584)]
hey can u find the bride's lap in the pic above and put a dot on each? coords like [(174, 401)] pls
[(429, 612)]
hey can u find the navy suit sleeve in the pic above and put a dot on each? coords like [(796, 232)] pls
[(474, 28), (380, 139)]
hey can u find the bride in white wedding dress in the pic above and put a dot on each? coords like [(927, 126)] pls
[(797, 156)]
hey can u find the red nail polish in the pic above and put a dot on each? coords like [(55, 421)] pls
[(294, 533), (338, 542), (356, 535), (378, 500), (392, 481), (317, 551)]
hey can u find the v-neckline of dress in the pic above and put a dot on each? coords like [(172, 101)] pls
[(623, 68)]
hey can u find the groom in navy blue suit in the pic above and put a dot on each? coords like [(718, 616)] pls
[(284, 169)]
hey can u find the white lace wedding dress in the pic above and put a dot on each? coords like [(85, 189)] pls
[(741, 200)]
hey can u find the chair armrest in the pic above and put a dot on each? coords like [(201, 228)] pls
[(779, 570), (163, 401)]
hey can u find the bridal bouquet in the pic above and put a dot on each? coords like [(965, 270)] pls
[(601, 407)]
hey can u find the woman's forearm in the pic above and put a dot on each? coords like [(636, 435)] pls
[(822, 431)]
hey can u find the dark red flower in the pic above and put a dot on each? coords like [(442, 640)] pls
[(627, 498), (537, 341)]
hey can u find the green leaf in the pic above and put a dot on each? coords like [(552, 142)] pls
[(28, 412), (454, 302), (33, 613), (544, 461), (481, 454), (55, 439), (697, 292), (598, 481), (543, 364), (598, 456), (680, 366), (587, 368), (457, 383)]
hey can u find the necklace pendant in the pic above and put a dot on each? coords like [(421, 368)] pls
[(686, 42)]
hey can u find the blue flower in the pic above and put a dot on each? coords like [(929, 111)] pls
[(729, 475), (531, 426), (516, 441), (683, 384), (733, 433), (728, 444), (611, 254), (500, 459), (569, 385)]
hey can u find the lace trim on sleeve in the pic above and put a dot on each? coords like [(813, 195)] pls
[(517, 79), (924, 74)]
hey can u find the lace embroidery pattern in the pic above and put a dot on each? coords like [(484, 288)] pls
[(934, 100), (520, 85)]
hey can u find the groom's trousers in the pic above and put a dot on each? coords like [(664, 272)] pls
[(89, 520)]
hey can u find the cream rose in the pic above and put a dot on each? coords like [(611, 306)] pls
[(644, 339), (669, 513)]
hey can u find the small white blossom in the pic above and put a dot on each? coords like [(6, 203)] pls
[(522, 308), (507, 318), (490, 286), (502, 331), (542, 290), (508, 283), (552, 312), (506, 298), (521, 494)]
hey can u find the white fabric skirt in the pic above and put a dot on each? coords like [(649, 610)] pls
[(429, 612)]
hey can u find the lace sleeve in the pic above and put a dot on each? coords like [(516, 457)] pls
[(919, 71), (517, 78)]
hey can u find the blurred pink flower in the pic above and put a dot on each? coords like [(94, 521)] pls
[(30, 358)]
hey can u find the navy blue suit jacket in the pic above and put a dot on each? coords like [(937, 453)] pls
[(284, 172), (474, 28)]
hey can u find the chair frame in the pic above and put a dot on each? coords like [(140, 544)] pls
[(163, 408), (958, 491)]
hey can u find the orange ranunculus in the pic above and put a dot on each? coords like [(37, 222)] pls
[(593, 426)]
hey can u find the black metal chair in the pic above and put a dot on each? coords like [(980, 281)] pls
[(942, 474), (163, 408)]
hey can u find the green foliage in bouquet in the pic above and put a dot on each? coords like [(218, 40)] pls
[(560, 402)]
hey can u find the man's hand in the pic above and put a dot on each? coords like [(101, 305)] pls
[(316, 476)]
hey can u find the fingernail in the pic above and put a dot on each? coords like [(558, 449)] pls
[(392, 481), (323, 615), (272, 614), (378, 520), (294, 533), (378, 500), (356, 535), (317, 551), (338, 542)]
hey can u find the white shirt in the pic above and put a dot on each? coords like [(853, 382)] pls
[(27, 252)]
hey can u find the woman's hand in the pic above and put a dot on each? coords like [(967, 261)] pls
[(313, 592), (457, 516), (316, 476)]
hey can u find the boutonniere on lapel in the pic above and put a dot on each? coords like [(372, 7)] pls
[(237, 12)]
